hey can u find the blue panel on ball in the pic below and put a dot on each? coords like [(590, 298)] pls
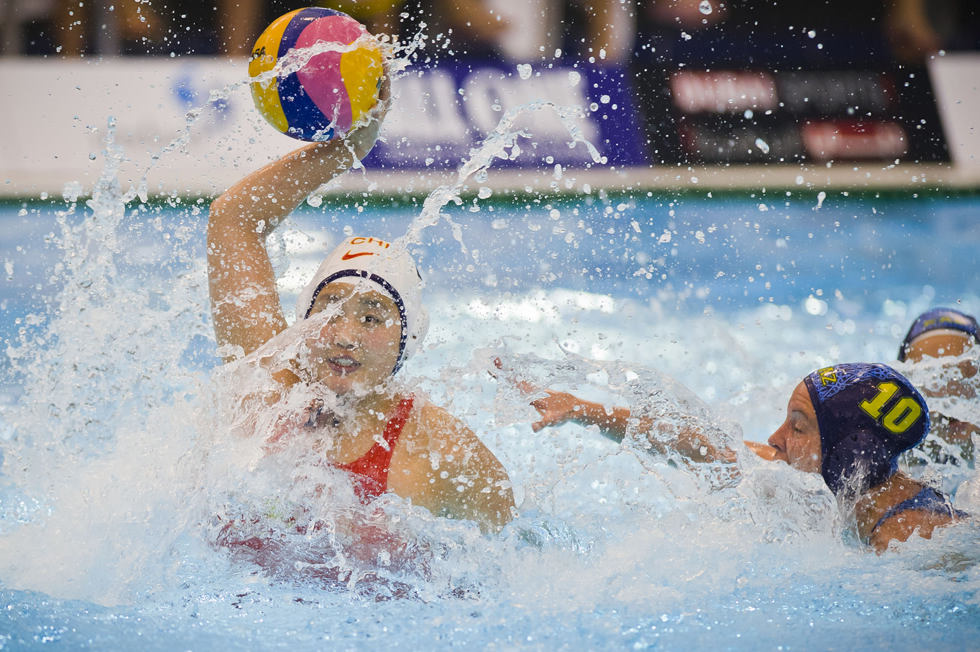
[(303, 116)]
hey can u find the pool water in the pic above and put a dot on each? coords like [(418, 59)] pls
[(115, 458)]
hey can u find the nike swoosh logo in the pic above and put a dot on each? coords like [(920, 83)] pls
[(349, 255)]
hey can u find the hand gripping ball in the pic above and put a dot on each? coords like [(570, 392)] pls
[(333, 89)]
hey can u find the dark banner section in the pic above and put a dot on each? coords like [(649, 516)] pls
[(649, 115), (752, 116)]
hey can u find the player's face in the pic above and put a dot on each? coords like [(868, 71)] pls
[(358, 343), (797, 440)]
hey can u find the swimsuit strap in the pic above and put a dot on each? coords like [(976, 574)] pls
[(371, 469), (928, 499)]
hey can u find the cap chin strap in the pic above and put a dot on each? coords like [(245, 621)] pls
[(387, 287)]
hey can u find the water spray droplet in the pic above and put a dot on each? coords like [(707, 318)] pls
[(705, 7), (762, 145)]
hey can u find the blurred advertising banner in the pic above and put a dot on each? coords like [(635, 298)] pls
[(723, 116), (188, 125), (444, 112)]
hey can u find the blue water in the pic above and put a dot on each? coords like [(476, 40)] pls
[(108, 429), (726, 254)]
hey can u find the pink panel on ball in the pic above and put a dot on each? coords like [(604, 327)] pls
[(321, 77)]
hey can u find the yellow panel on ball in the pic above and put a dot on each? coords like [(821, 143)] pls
[(265, 55), (361, 70)]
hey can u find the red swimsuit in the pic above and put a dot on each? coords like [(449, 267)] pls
[(370, 471), (369, 475)]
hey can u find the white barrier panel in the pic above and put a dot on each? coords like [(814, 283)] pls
[(188, 125), (56, 119), (956, 83)]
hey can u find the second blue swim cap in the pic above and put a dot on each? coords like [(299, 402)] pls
[(937, 319), (868, 415)]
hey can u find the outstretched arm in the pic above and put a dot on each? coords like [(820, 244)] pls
[(244, 301), (559, 407)]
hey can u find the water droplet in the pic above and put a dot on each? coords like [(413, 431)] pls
[(524, 70), (705, 7), (762, 145), (815, 306)]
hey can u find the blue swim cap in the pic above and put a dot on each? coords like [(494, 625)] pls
[(868, 415), (936, 319)]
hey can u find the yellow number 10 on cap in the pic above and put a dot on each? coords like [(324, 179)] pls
[(900, 417)]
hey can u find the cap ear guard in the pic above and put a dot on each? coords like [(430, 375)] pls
[(415, 338), (856, 462)]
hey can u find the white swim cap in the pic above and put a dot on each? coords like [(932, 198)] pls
[(391, 269)]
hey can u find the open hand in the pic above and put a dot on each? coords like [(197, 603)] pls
[(765, 451), (555, 409)]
